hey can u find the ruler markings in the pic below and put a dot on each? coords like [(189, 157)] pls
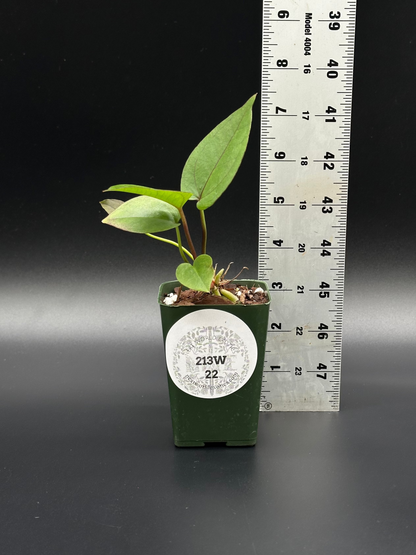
[(299, 247)]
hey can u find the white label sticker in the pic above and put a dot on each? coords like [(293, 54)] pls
[(210, 353)]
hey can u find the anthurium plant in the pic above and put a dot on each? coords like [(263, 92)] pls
[(208, 172)]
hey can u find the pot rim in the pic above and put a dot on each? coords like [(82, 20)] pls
[(260, 283)]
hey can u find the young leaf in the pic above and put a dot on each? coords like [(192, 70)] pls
[(199, 276), (213, 164), (175, 198), (144, 215), (110, 204)]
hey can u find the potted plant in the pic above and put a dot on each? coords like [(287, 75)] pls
[(214, 328)]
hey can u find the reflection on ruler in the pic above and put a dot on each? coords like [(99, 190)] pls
[(307, 74)]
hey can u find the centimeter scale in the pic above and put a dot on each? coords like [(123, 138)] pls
[(307, 75)]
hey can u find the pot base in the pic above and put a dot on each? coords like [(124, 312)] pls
[(233, 443)]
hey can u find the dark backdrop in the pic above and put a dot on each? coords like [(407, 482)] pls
[(95, 93)]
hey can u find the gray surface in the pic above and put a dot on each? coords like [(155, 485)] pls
[(88, 464)]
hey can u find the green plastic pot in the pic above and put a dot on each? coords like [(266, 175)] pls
[(214, 372)]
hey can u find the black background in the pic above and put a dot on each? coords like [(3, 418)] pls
[(97, 93)]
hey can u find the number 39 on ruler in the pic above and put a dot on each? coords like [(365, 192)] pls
[(307, 72)]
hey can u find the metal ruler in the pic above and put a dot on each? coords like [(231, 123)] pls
[(307, 74)]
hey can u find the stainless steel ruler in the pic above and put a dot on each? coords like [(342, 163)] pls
[(306, 101)]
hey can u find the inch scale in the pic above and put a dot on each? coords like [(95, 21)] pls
[(307, 74)]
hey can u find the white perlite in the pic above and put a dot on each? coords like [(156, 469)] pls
[(170, 299)]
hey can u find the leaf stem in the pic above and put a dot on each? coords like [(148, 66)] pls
[(187, 234), (172, 243), (204, 232), (178, 236)]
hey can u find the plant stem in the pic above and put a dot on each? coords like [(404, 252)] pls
[(228, 295), (170, 243), (178, 236), (187, 234), (218, 276), (204, 232)]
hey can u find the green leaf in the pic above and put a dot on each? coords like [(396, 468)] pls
[(213, 164), (144, 215), (199, 276), (175, 198), (110, 204)]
